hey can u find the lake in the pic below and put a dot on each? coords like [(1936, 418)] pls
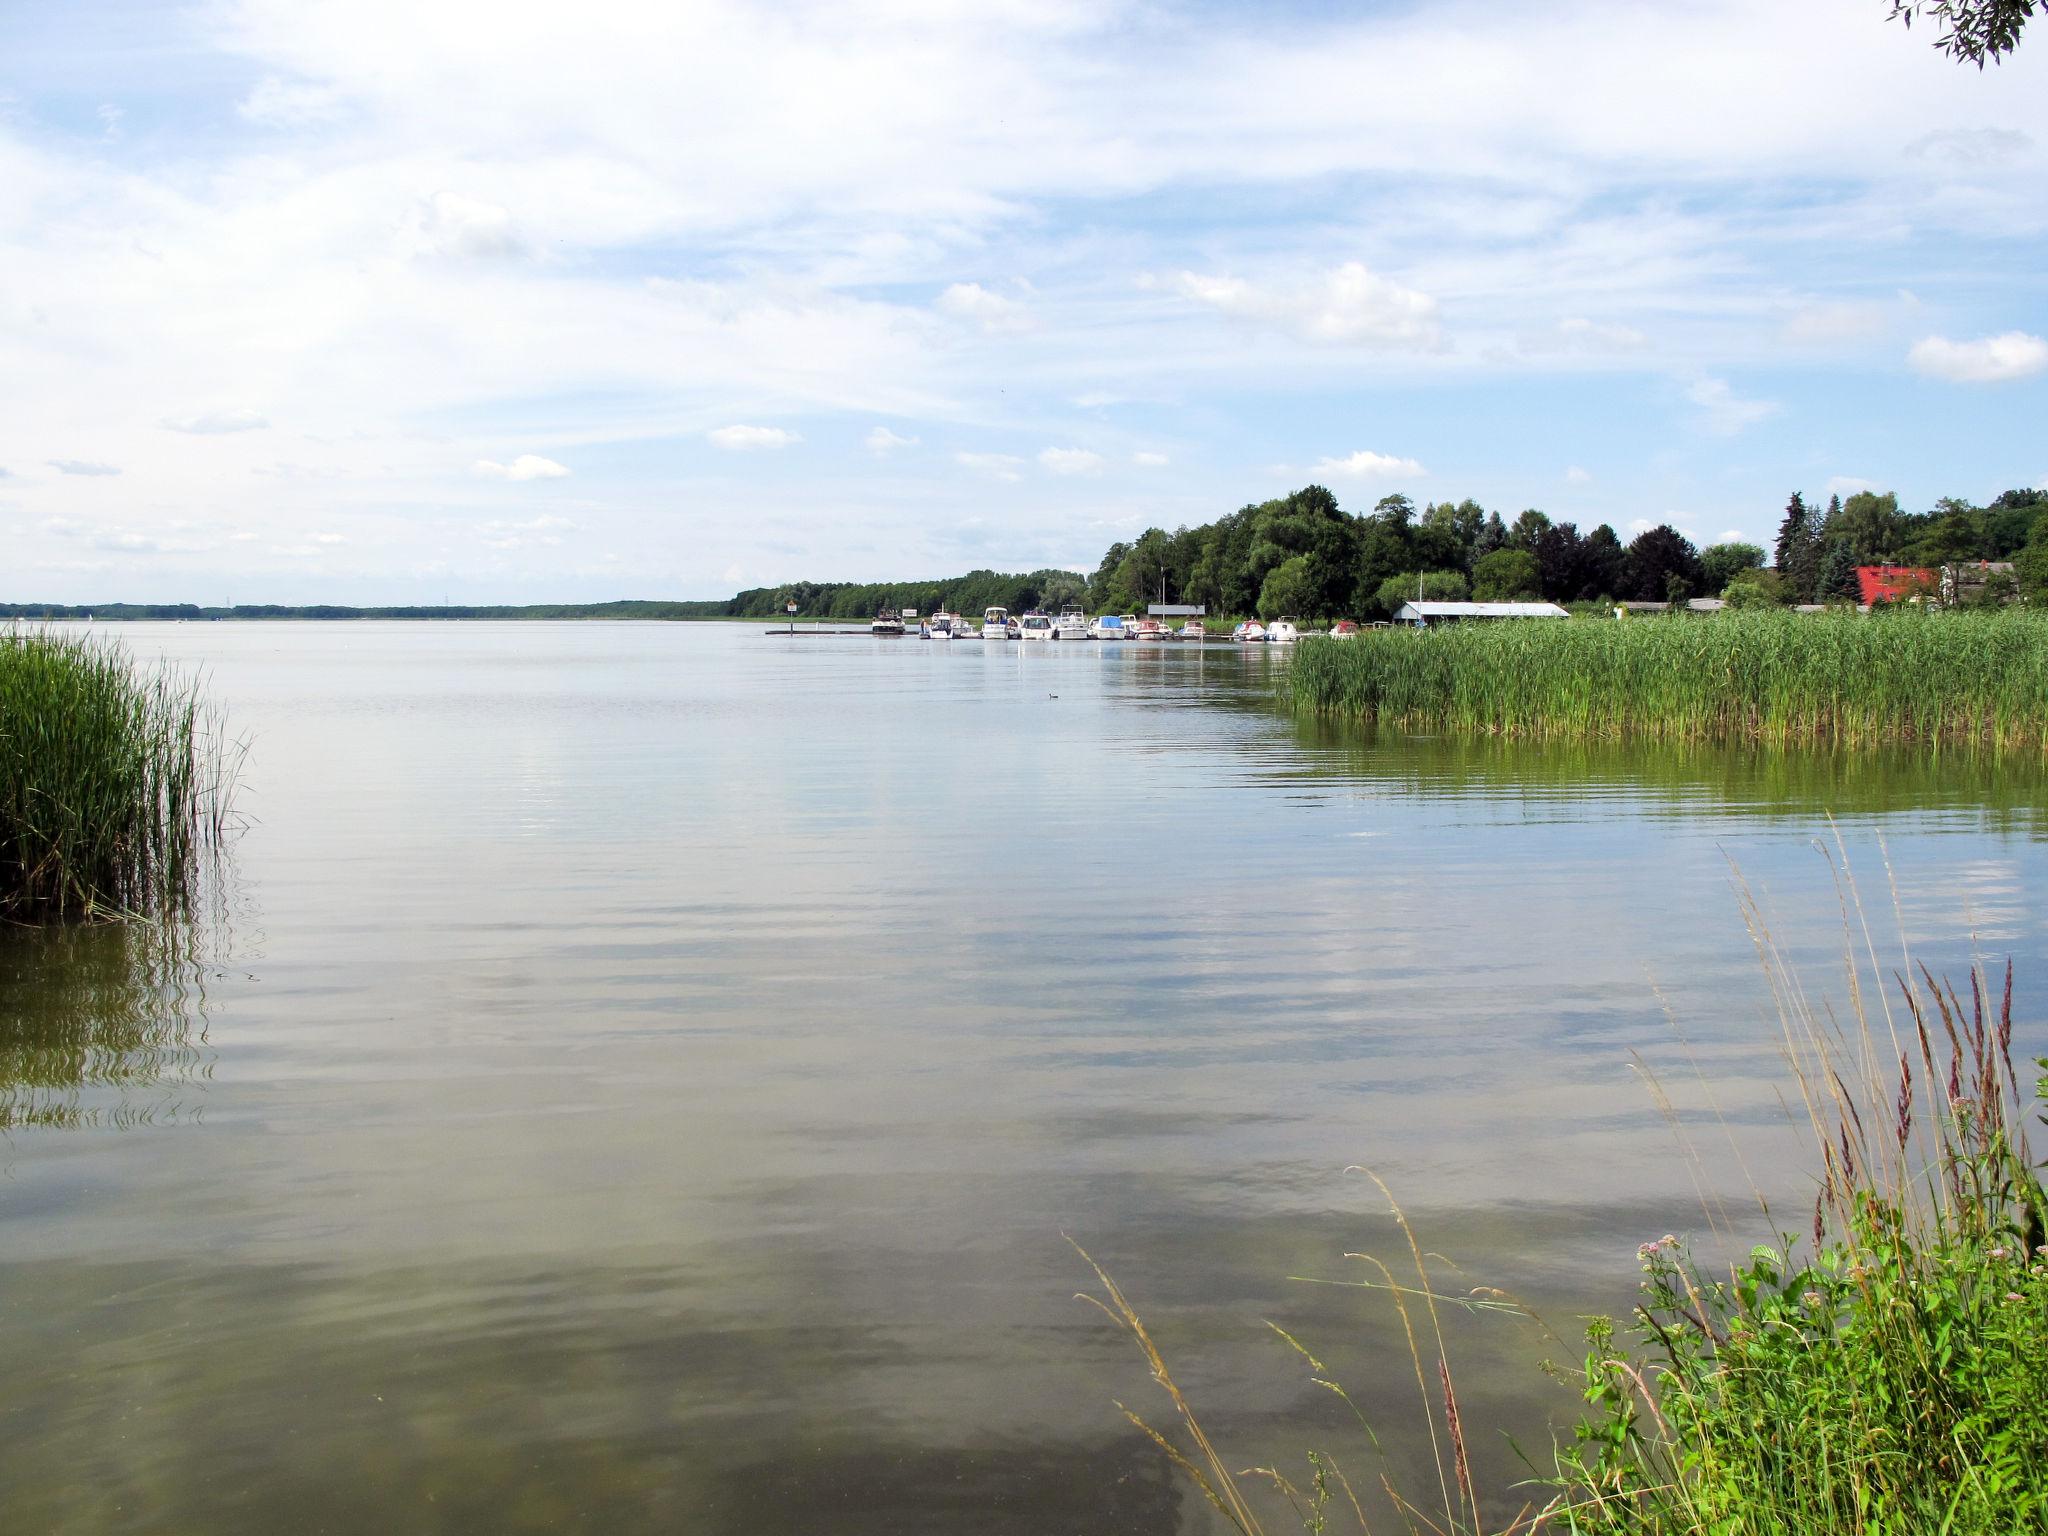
[(638, 1077)]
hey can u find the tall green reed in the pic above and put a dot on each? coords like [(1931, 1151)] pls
[(1840, 678), (116, 781)]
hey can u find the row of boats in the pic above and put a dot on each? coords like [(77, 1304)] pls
[(1071, 623)]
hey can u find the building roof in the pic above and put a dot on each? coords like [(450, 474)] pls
[(1176, 610), (1892, 583), (1410, 612)]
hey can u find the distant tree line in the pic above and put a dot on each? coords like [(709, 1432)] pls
[(968, 594), (1304, 555)]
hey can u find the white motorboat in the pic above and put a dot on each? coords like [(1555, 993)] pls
[(996, 624), (1072, 624), (1193, 630), (887, 622), (1152, 629), (1344, 629), (1108, 627), (1034, 626), (1250, 632), (1285, 631), (943, 626)]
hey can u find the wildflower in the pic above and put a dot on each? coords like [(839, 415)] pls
[(2013, 1296), (1646, 1251), (1998, 1253), (1812, 1298), (1668, 1241)]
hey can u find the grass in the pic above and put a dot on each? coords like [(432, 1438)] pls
[(1879, 1373), (1838, 678), (115, 781)]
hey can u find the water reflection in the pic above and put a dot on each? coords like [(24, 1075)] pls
[(102, 1025)]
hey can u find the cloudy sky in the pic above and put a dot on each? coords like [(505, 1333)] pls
[(391, 300)]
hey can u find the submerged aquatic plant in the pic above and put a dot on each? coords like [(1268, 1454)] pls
[(116, 781), (1841, 678)]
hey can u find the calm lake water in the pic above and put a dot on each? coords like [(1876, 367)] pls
[(639, 1076)]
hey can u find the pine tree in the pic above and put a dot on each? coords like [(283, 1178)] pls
[(1794, 533), (1838, 575)]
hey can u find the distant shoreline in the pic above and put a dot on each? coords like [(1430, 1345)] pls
[(273, 613)]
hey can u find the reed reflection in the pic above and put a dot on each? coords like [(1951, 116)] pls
[(103, 1025)]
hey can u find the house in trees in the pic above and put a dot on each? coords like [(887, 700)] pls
[(1893, 583), (1976, 583)]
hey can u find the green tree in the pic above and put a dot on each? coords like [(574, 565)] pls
[(1528, 529), (1837, 580), (1722, 563), (1661, 562), (1603, 563), (1289, 588), (1505, 575), (1797, 554), (1974, 30), (1430, 586), (1754, 589)]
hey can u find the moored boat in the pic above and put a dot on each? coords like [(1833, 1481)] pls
[(887, 622), (1108, 627), (943, 626), (1034, 626), (1344, 629), (1250, 632), (1152, 629), (996, 624), (1072, 624), (1284, 631), (1194, 630)]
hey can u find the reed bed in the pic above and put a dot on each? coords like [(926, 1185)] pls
[(1836, 679), (116, 781)]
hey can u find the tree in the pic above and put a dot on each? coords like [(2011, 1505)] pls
[(1603, 563), (1977, 29), (1429, 586), (1560, 562), (1722, 563), (1289, 588), (1837, 580), (1754, 589), (1869, 524), (1505, 575), (1528, 529), (1655, 558), (1492, 535), (1797, 554)]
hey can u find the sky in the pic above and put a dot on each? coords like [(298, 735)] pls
[(369, 301)]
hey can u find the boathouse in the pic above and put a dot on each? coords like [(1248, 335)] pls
[(1424, 614)]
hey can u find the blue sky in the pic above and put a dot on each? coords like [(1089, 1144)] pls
[(380, 301)]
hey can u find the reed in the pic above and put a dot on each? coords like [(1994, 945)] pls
[(116, 781), (1837, 679)]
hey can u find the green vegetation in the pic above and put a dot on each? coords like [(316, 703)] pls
[(1837, 679), (114, 782), (193, 612), (1882, 1378)]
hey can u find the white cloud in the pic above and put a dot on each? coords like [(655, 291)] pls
[(83, 467), (1732, 536), (532, 532), (881, 442), (745, 439), (1145, 459), (1366, 465), (1723, 411), (449, 224), (1847, 485), (991, 311), (1990, 360), (1071, 461), (110, 120), (528, 466), (997, 466), (329, 538), (1345, 306), (212, 422), (1573, 475), (1578, 334)]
